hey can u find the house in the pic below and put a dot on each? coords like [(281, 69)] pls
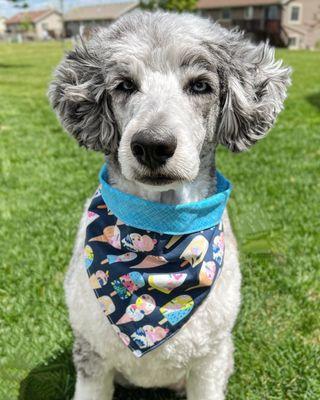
[(78, 20), (39, 24), (286, 23)]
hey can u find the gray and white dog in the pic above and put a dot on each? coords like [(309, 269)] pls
[(157, 93)]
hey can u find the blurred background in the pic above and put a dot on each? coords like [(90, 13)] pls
[(274, 206), (285, 23)]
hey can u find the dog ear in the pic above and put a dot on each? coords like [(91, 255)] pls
[(254, 94), (79, 97)]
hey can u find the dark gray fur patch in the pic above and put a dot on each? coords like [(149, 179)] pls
[(79, 97), (86, 360), (252, 90)]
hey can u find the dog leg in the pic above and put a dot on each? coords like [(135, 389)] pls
[(208, 378), (94, 377)]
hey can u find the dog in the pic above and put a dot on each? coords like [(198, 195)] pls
[(157, 93)]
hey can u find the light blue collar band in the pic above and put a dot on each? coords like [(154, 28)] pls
[(166, 218)]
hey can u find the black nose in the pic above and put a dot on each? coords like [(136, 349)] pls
[(151, 150)]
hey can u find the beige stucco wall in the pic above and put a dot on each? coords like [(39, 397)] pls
[(307, 29), (52, 22), (2, 25)]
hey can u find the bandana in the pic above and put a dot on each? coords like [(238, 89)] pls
[(151, 265)]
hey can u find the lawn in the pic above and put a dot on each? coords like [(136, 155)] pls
[(274, 209)]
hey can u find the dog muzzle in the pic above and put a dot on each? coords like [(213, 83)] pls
[(152, 265)]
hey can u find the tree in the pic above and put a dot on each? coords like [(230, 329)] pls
[(171, 5), (26, 25), (19, 3)]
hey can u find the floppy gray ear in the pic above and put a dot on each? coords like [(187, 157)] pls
[(79, 97), (255, 91)]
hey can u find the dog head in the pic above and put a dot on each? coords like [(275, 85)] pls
[(156, 89)]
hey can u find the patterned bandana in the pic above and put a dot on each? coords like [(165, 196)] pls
[(150, 282)]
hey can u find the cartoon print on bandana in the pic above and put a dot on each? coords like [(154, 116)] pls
[(111, 235), (99, 279), (144, 305), (151, 262), (206, 275), (148, 284), (147, 335), (165, 283), (92, 216), (88, 255), (127, 284), (138, 242), (132, 281), (195, 252), (218, 248), (112, 258), (176, 309), (107, 305)]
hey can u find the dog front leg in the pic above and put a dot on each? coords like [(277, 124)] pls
[(94, 376), (209, 376)]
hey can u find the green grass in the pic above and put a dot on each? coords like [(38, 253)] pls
[(274, 209)]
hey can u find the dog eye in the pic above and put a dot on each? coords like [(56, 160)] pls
[(199, 87), (127, 86)]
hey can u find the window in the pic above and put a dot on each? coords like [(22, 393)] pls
[(44, 26), (248, 12), (226, 14), (295, 13), (273, 12), (294, 42)]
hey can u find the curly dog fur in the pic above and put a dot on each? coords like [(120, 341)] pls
[(171, 77)]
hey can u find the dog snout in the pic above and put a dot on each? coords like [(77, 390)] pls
[(152, 150)]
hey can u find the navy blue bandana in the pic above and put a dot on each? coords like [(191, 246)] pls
[(148, 283)]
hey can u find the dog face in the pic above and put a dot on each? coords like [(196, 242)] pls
[(157, 90), (163, 101)]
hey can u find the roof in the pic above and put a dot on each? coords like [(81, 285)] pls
[(100, 11), (211, 4), (32, 16)]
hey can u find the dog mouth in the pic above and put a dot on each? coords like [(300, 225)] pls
[(158, 180), (168, 178)]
